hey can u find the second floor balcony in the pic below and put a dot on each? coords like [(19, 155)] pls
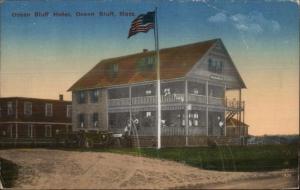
[(178, 99), (175, 92)]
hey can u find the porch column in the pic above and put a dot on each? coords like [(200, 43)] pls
[(130, 107), (243, 120), (16, 131), (206, 90), (11, 130), (239, 111), (225, 106), (186, 113)]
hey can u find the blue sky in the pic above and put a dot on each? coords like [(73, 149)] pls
[(51, 53)]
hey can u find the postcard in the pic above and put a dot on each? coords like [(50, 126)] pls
[(138, 94)]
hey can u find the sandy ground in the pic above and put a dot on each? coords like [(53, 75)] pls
[(56, 169)]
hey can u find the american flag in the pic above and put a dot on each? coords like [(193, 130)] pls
[(142, 23)]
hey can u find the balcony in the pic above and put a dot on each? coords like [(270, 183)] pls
[(216, 101), (144, 100), (119, 102), (234, 104), (177, 98), (172, 98)]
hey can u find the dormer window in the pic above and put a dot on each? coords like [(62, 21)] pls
[(115, 68), (146, 63)]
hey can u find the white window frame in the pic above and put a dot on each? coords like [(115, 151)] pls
[(48, 130), (10, 108), (27, 108), (46, 110), (69, 111)]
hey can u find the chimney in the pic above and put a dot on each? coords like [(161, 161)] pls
[(61, 97), (145, 50)]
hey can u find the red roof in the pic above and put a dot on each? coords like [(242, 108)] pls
[(175, 62)]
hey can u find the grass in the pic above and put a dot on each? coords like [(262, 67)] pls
[(222, 158), (9, 173)]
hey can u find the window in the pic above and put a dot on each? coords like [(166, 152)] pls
[(196, 122), (48, 131), (148, 114), (27, 108), (48, 110), (215, 66), (9, 108), (190, 122), (115, 68), (30, 131), (81, 97), (69, 111), (146, 63), (81, 119), (94, 96), (95, 119)]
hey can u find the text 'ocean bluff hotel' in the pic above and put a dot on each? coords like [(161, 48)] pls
[(194, 81)]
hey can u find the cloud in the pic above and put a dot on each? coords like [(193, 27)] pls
[(219, 17), (254, 22), (292, 1)]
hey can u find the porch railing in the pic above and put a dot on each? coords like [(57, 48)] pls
[(234, 104), (173, 131), (172, 98), (177, 98), (144, 100), (119, 102), (216, 101), (197, 98)]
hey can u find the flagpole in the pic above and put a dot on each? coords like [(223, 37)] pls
[(158, 82)]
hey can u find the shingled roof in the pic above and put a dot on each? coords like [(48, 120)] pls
[(175, 62)]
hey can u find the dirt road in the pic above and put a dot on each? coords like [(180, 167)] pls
[(56, 169)]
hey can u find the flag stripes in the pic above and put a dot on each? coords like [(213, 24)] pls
[(143, 23)]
